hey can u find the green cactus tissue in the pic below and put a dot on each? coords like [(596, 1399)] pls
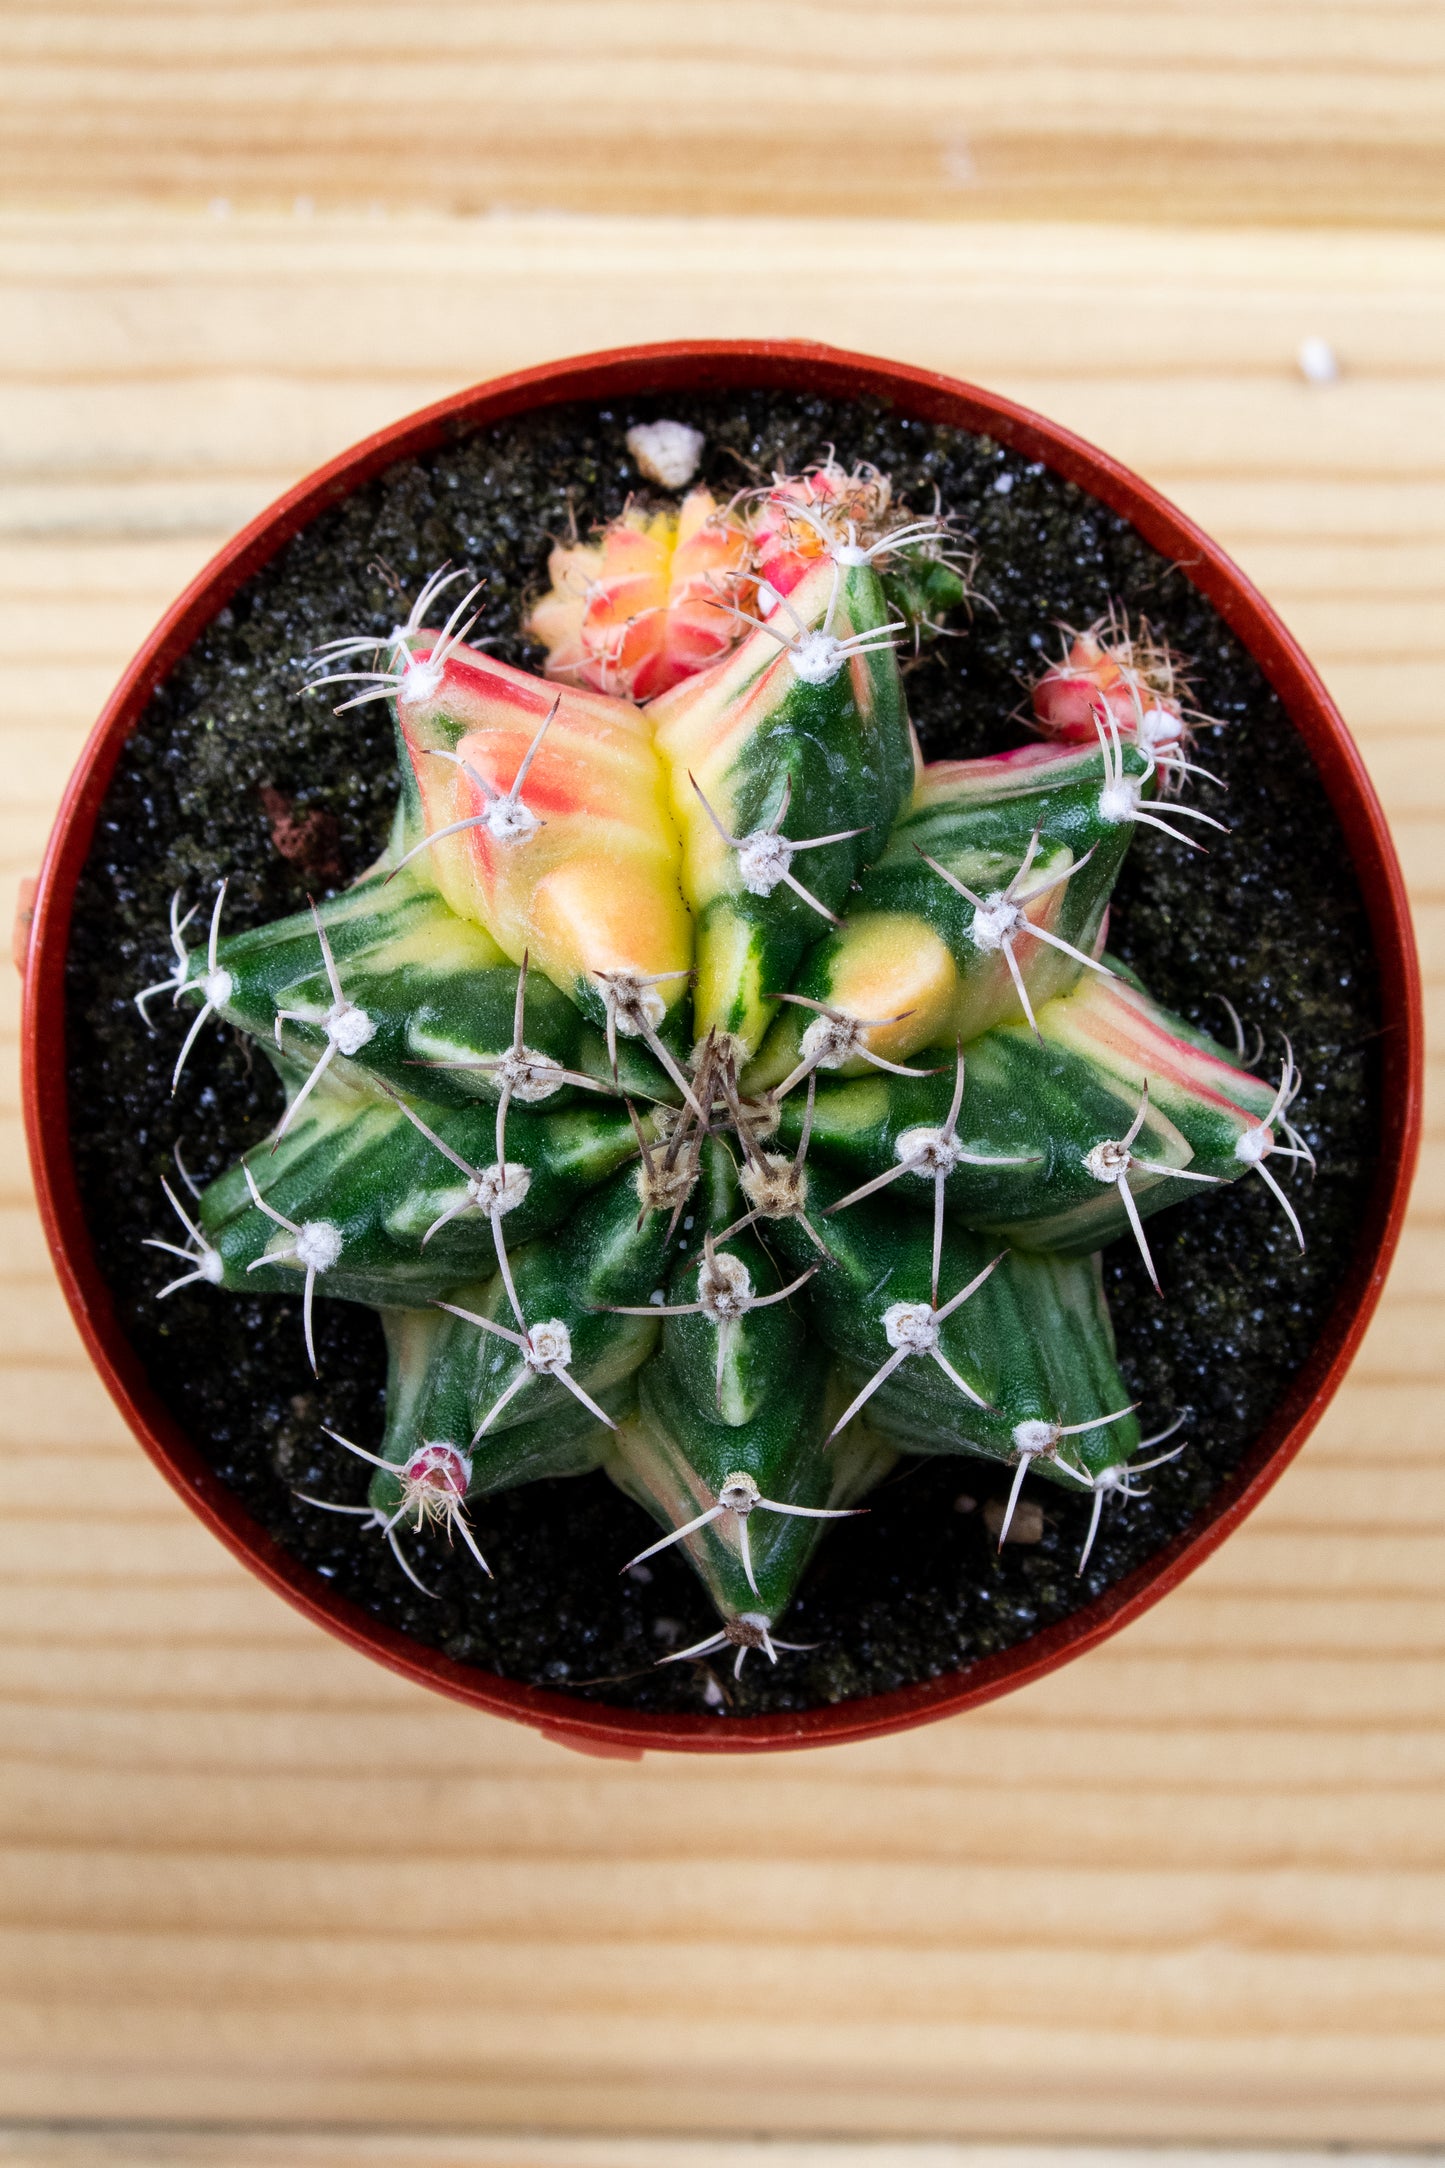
[(704, 1089)]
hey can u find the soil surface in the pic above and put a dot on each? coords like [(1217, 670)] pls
[(233, 772)]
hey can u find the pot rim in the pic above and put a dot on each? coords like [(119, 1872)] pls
[(700, 366)]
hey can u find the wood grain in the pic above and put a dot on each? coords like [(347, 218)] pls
[(1249, 111), (154, 2146), (1192, 1888)]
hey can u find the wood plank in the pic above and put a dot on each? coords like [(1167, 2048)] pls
[(479, 2073), (1313, 115), (1193, 1887), (260, 292), (159, 2146)]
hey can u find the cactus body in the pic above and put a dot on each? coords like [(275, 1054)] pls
[(1034, 1108), (581, 872), (707, 1091), (439, 995), (1033, 1342), (353, 1160), (781, 742), (1026, 835), (923, 577), (479, 1387), (677, 1462), (440, 1387)]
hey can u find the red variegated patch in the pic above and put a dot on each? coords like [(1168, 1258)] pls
[(1122, 1031)]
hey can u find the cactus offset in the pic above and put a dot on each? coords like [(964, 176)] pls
[(704, 1089), (1129, 681), (646, 604), (798, 519)]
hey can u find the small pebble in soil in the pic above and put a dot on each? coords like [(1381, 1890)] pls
[(1027, 1525)]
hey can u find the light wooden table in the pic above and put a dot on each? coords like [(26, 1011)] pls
[(1192, 1888)]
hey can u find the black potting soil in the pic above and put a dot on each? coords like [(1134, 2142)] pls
[(234, 773)]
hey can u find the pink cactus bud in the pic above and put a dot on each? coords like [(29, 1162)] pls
[(648, 603), (785, 546), (1108, 674)]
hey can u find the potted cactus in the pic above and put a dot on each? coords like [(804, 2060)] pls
[(709, 1137)]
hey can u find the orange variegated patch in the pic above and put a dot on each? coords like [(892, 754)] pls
[(585, 875), (787, 545), (895, 968)]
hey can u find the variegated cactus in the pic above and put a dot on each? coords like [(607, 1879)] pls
[(649, 602), (664, 590), (707, 1090)]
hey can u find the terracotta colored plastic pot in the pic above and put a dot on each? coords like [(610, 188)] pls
[(699, 368)]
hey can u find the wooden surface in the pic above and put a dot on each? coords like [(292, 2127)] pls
[(1192, 1888), (161, 2146), (185, 2147), (1330, 111)]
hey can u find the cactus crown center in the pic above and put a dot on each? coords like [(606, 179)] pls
[(761, 1116), (774, 1185), (664, 1185)]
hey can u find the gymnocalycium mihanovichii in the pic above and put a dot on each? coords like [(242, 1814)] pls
[(700, 1086)]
